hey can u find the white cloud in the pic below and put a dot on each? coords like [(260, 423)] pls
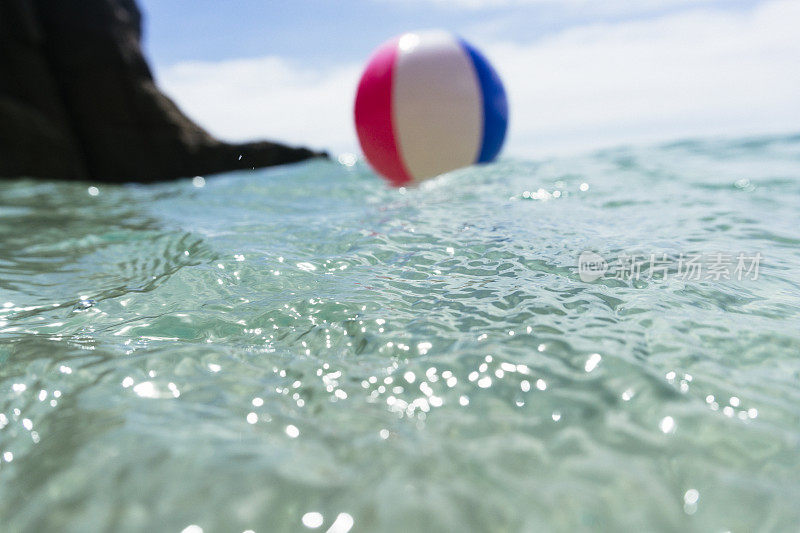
[(698, 72), (268, 98)]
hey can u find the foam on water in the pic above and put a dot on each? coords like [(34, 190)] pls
[(304, 347)]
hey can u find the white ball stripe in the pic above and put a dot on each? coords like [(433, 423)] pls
[(436, 103)]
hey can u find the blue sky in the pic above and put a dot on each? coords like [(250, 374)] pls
[(320, 32), (581, 74)]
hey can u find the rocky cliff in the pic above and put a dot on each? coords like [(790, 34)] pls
[(78, 101)]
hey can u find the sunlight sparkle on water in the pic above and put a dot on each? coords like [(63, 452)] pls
[(436, 345), (667, 424), (146, 389), (312, 519), (343, 523)]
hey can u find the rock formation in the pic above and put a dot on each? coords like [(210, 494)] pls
[(78, 101)]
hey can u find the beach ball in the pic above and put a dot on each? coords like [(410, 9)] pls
[(428, 103)]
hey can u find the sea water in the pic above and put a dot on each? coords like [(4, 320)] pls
[(604, 341)]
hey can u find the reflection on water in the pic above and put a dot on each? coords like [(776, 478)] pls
[(304, 348)]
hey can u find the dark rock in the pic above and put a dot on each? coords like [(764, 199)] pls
[(78, 101)]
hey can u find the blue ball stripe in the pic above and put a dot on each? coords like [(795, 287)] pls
[(495, 105)]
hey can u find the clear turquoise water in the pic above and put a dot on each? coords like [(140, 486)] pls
[(306, 339)]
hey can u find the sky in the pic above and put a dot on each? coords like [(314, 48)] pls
[(580, 74)]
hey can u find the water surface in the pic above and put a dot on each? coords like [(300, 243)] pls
[(304, 339)]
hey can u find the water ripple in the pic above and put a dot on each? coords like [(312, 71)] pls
[(304, 346)]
